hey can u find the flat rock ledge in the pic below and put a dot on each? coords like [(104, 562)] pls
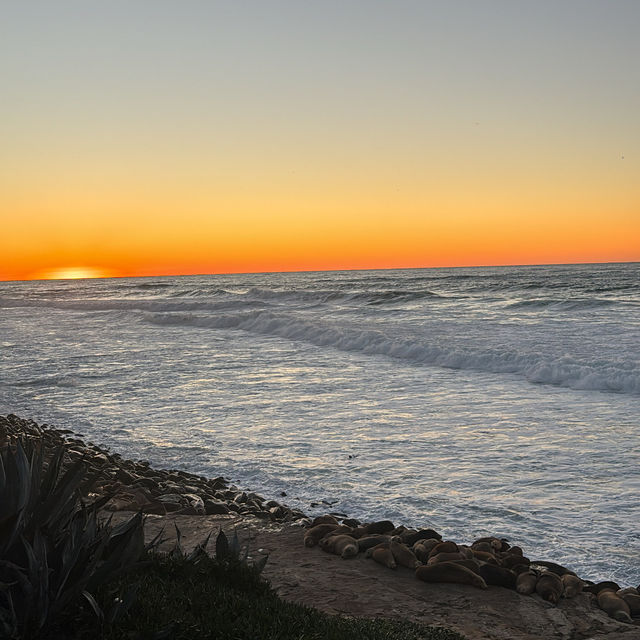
[(309, 576)]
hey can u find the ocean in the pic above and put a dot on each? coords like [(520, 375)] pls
[(477, 401)]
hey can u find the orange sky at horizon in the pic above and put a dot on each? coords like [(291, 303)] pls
[(229, 139)]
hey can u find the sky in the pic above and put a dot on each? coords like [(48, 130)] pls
[(149, 138)]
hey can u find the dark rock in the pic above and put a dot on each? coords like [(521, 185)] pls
[(351, 522), (125, 477), (214, 508), (195, 501), (146, 482), (174, 498)]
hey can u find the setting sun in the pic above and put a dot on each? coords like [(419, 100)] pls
[(72, 273)]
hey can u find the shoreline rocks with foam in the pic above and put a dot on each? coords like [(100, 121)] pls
[(137, 486)]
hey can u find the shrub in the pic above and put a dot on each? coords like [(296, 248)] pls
[(53, 549)]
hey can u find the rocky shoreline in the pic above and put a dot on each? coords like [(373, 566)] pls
[(137, 486), (198, 502)]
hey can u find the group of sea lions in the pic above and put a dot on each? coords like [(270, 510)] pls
[(488, 561)]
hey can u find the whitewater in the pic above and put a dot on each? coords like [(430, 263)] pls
[(477, 401)]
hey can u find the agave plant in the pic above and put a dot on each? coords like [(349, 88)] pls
[(53, 548)]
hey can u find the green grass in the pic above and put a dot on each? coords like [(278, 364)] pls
[(188, 600)]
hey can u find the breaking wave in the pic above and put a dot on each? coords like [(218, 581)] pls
[(564, 371)]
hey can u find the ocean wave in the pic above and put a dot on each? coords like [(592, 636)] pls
[(61, 380), (203, 299), (141, 304), (564, 371), (566, 304)]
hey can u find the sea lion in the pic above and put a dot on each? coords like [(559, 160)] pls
[(313, 535), (468, 551), (351, 522), (379, 527), (624, 592), (520, 568), (444, 547), (549, 587), (342, 545), (427, 544), (614, 606), (383, 545), (341, 529), (485, 557), (371, 541), (515, 551), (446, 557), (485, 547), (473, 565), (498, 544), (601, 586), (498, 576), (509, 561), (558, 569), (382, 554), (450, 572), (412, 536), (403, 555), (420, 552), (572, 585), (632, 600), (399, 530), (326, 519), (526, 582)]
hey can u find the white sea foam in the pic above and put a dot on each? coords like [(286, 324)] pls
[(621, 377)]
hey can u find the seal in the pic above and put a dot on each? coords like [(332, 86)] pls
[(412, 536), (558, 569), (520, 568), (498, 544), (498, 576), (342, 545), (468, 551), (427, 545), (632, 598), (326, 519), (377, 528), (510, 561), (444, 547), (447, 557), (403, 555), (514, 551), (313, 535), (383, 555), (572, 585), (473, 565), (485, 557), (549, 587), (526, 582), (371, 541), (601, 586), (614, 606), (450, 572), (485, 547)]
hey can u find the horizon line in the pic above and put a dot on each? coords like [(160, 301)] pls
[(233, 273)]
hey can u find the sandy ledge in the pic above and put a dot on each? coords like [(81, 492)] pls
[(353, 587)]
